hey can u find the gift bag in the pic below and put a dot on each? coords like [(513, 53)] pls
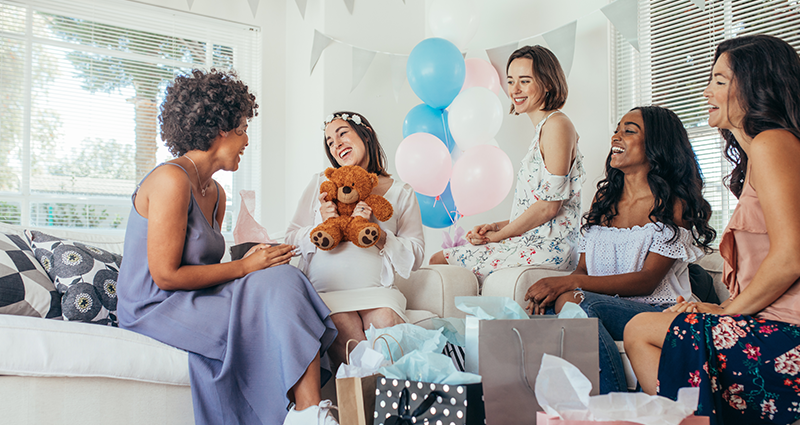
[(356, 394), (543, 419), (509, 353), (405, 402)]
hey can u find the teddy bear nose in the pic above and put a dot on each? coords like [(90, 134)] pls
[(346, 189)]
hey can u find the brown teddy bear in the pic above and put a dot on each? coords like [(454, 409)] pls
[(346, 186)]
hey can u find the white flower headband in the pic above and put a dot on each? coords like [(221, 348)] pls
[(355, 118)]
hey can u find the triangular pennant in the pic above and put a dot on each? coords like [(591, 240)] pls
[(350, 4), (701, 4), (398, 74), (562, 42), (253, 6), (362, 59), (190, 3), (321, 42), (498, 56), (301, 5), (624, 15)]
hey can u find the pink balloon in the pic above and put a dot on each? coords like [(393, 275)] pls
[(481, 73), (423, 161), (481, 179)]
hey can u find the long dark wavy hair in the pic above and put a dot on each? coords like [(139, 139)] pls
[(766, 74), (377, 157), (674, 176)]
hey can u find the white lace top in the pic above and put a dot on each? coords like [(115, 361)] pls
[(611, 250)]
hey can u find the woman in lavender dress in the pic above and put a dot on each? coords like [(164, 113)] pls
[(254, 328)]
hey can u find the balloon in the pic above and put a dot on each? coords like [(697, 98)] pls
[(438, 213), (454, 20), (475, 117), (481, 179), (424, 119), (481, 73), (423, 162), (435, 71)]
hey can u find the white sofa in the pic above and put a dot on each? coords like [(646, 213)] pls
[(54, 371)]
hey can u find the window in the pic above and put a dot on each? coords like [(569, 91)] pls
[(677, 42), (81, 82)]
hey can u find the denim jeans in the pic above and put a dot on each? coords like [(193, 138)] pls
[(613, 313)]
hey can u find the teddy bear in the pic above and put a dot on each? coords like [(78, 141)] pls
[(346, 187)]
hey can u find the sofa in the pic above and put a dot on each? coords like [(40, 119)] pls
[(68, 372)]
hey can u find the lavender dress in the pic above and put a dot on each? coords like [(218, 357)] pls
[(249, 340)]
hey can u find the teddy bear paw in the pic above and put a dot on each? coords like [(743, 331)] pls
[(322, 240), (368, 236)]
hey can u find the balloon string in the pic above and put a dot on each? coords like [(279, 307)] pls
[(444, 127)]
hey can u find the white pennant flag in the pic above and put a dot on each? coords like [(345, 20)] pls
[(301, 5), (362, 59), (701, 4), (562, 42), (321, 42), (498, 56), (350, 4), (190, 3), (398, 74), (624, 14), (253, 6)]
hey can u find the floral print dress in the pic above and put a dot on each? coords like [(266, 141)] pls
[(552, 245)]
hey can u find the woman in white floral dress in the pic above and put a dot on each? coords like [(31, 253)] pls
[(545, 217)]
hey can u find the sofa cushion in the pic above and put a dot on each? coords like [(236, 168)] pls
[(25, 288), (84, 275)]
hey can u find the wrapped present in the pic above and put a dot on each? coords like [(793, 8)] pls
[(405, 402)]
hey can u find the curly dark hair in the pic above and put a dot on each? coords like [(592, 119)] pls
[(674, 176), (548, 74), (377, 157), (766, 73), (200, 105)]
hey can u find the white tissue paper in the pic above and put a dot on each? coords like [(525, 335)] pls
[(491, 308), (364, 361), (562, 390), (572, 311)]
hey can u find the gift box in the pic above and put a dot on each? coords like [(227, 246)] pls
[(405, 402), (543, 418)]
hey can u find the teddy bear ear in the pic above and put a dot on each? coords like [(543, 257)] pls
[(329, 172), (373, 178)]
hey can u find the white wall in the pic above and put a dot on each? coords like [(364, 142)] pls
[(294, 103)]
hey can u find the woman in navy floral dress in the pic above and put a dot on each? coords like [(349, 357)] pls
[(744, 354)]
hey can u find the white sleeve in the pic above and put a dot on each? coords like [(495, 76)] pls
[(404, 250), (306, 217)]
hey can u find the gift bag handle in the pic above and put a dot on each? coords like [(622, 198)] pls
[(381, 336), (347, 350), (522, 350)]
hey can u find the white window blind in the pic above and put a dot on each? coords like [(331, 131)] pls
[(81, 82), (677, 42)]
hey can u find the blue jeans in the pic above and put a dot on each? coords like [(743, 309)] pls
[(613, 313)]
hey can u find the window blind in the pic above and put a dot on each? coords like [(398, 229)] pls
[(677, 43), (81, 82)]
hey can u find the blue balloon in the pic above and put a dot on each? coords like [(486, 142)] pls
[(440, 213), (424, 119), (436, 71)]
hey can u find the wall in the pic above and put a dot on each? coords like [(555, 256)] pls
[(294, 102)]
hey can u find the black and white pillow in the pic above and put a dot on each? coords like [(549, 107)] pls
[(84, 275), (25, 287)]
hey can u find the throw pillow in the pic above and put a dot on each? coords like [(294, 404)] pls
[(25, 287), (84, 275)]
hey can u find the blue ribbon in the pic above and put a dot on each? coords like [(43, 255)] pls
[(404, 415)]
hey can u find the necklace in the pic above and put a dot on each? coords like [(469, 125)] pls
[(199, 182)]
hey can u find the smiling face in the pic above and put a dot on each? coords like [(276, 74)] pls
[(724, 110), (523, 88), (235, 142), (345, 145), (627, 144)]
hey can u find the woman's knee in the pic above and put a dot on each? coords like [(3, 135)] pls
[(438, 258), (646, 327), (381, 318)]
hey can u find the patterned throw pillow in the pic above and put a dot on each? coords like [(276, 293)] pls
[(86, 277), (25, 288)]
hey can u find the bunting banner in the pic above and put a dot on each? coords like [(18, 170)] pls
[(350, 4), (189, 3), (301, 6), (321, 42), (362, 59), (623, 15), (701, 4), (498, 56), (398, 65), (253, 6), (562, 42)]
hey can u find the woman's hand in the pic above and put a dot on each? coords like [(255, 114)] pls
[(327, 209), (479, 234), (362, 210), (263, 256), (545, 292)]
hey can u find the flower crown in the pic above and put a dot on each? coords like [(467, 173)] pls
[(354, 118)]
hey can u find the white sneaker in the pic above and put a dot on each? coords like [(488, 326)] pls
[(314, 415)]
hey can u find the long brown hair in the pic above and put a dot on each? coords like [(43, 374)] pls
[(548, 74)]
